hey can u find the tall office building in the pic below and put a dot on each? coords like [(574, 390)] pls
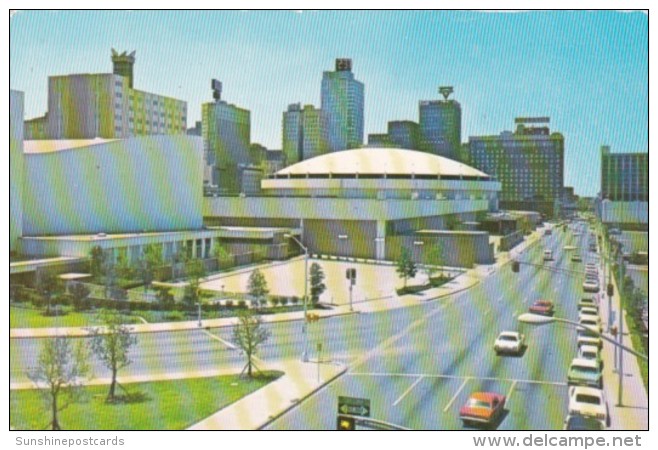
[(440, 123), (342, 100), (16, 168), (528, 162), (227, 141), (401, 134), (305, 133), (87, 106), (624, 176)]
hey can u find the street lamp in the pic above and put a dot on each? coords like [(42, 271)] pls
[(535, 319), (198, 304), (290, 236)]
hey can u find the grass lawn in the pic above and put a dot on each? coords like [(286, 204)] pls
[(32, 318), (164, 405)]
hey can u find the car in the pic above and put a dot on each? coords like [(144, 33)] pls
[(588, 302), (592, 353), (509, 342), (548, 232), (588, 402), (576, 422), (587, 337), (542, 307), (576, 258), (614, 231), (482, 408), (585, 372), (548, 255), (592, 322), (589, 311), (591, 286)]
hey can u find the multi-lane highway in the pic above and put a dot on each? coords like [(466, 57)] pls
[(417, 365)]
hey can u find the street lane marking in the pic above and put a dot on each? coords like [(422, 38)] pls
[(404, 394), (511, 389), (452, 377), (452, 400)]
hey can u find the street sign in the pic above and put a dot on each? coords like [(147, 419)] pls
[(354, 406)]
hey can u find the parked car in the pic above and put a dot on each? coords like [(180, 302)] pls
[(587, 337), (548, 255), (585, 372), (509, 342), (586, 311), (591, 285), (588, 402), (588, 302), (482, 408), (592, 353), (576, 258), (593, 323), (543, 307), (576, 422)]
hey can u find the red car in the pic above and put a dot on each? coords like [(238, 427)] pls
[(482, 408), (543, 307)]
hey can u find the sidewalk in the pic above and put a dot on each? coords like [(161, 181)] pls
[(634, 415), (259, 408), (462, 282)]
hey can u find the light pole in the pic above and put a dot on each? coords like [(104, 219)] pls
[(305, 329), (535, 319), (198, 304)]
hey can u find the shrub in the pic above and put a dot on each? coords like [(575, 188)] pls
[(275, 301), (294, 300), (229, 303), (242, 304), (284, 301), (174, 316)]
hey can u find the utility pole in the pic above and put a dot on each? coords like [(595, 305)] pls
[(620, 391)]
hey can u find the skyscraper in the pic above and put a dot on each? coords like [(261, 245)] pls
[(226, 132), (105, 105), (440, 124), (342, 100), (305, 133), (529, 163), (624, 176)]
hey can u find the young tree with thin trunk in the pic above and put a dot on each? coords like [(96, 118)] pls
[(406, 267), (58, 375), (316, 276), (257, 286), (248, 335), (111, 344), (48, 286)]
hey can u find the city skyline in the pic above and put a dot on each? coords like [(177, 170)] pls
[(501, 65)]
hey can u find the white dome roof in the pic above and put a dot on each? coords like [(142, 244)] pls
[(378, 161)]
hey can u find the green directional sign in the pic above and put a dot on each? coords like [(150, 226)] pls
[(354, 406)]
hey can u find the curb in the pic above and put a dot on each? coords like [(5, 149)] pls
[(292, 406)]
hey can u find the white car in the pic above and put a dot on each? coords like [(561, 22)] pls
[(593, 323), (588, 402), (586, 337), (591, 285), (588, 311), (591, 353), (509, 342)]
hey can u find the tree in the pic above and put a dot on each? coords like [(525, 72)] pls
[(165, 297), (109, 276), (194, 271), (435, 259), (123, 268), (111, 344), (248, 335), (58, 375), (406, 267), (257, 286), (181, 258), (48, 286), (150, 261), (96, 260), (80, 295), (317, 282)]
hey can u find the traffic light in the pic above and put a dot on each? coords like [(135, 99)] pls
[(516, 267), (350, 274), (611, 290), (346, 423)]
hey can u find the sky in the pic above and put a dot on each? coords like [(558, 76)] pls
[(587, 71)]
